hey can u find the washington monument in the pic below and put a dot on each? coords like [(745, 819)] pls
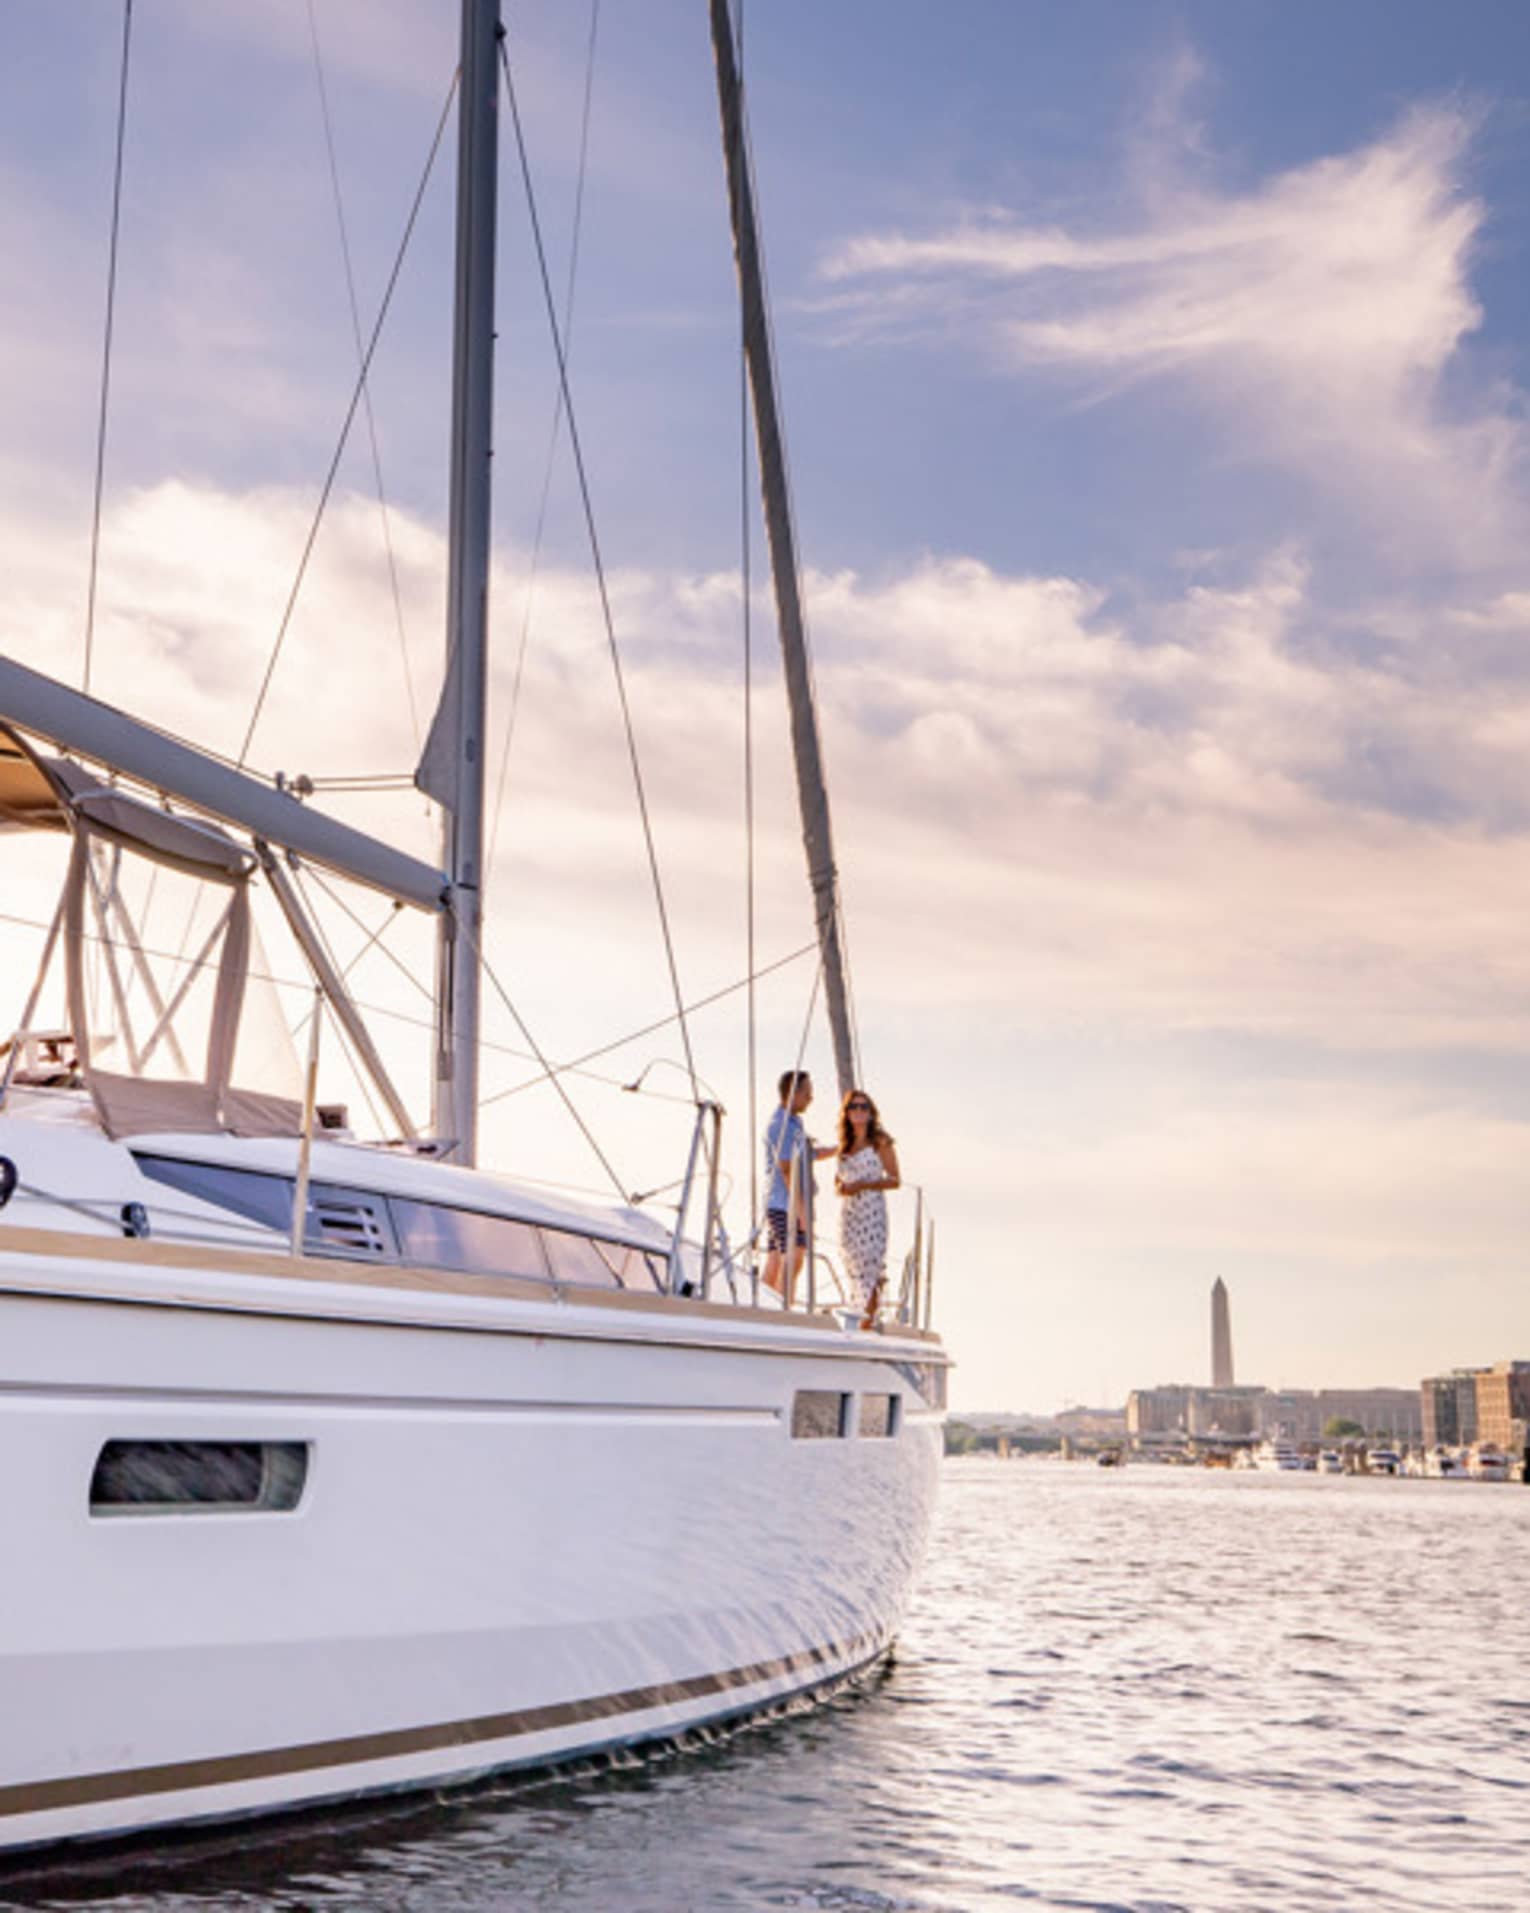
[(1221, 1337)]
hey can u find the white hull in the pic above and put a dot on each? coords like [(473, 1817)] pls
[(531, 1528)]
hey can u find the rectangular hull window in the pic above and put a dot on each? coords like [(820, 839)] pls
[(198, 1477), (929, 1378), (879, 1415), (820, 1414)]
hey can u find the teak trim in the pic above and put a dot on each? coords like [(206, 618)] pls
[(230, 1259)]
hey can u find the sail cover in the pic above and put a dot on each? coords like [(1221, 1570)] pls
[(436, 774)]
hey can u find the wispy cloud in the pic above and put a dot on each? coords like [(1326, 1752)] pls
[(1316, 312)]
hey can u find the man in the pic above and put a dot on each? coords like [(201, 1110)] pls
[(790, 1195)]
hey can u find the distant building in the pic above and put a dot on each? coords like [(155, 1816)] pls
[(1157, 1413), (1221, 1337), (1448, 1408), (1178, 1412), (1232, 1412), (1380, 1411), (1503, 1404), (1302, 1414)]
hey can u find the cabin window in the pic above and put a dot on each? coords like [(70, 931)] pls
[(577, 1260), (203, 1477), (258, 1198), (467, 1239), (360, 1225), (820, 1414), (632, 1268), (879, 1415)]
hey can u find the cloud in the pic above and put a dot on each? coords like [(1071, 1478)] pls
[(1315, 312), (1066, 826), (1205, 811)]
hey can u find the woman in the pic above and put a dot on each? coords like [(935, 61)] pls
[(868, 1165)]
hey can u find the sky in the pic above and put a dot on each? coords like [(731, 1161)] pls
[(1155, 387)]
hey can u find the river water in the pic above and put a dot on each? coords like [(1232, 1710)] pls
[(1139, 1688)]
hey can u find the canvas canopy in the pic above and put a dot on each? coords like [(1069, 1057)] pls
[(157, 1032)]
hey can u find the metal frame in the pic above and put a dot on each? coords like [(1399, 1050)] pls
[(706, 1112)]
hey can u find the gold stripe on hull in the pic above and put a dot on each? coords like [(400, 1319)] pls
[(223, 1770)]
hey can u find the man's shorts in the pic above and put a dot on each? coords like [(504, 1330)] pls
[(775, 1220)]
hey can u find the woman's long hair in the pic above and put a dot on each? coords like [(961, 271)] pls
[(875, 1133)]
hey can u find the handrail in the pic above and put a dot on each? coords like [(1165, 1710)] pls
[(675, 1280)]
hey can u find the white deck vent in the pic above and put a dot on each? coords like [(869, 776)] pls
[(350, 1223)]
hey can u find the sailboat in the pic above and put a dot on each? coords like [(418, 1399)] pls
[(334, 1467)]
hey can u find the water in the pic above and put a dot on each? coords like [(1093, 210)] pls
[(1144, 1688)]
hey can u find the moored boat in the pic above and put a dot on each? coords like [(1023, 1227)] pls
[(336, 1466), (1487, 1462)]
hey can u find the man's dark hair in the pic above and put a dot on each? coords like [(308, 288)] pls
[(789, 1081)]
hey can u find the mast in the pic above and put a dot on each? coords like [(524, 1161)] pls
[(807, 747), (453, 768)]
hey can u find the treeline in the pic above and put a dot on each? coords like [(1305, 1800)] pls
[(963, 1439)]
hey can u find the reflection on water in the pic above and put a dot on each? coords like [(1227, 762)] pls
[(1144, 1688)]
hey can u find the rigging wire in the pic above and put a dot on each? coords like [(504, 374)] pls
[(548, 1072), (532, 1054), (373, 941), (662, 1023), (350, 287), (600, 575), (552, 437), (392, 956), (361, 1075), (345, 429), (106, 350), (574, 1068)]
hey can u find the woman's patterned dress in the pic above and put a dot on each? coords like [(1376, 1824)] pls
[(863, 1222)]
